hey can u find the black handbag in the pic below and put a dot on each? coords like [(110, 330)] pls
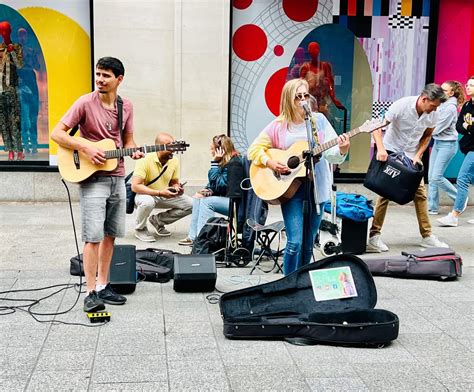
[(396, 179)]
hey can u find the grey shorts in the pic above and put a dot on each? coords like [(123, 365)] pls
[(102, 208)]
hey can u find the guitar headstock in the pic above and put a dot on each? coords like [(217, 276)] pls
[(371, 125), (177, 146)]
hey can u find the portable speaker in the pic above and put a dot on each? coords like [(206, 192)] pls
[(354, 236), (123, 270), (194, 273)]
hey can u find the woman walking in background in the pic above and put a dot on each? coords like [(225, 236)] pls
[(445, 145), (465, 126)]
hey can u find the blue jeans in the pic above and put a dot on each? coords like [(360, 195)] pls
[(205, 208), (294, 257), (465, 176), (441, 155)]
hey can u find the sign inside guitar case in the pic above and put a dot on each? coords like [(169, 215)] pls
[(330, 301), (431, 263)]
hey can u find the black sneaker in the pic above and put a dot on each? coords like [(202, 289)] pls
[(92, 303), (109, 296)]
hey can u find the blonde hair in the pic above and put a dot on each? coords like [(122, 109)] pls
[(224, 142), (288, 109)]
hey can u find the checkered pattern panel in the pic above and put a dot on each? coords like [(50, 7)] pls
[(379, 108), (400, 22)]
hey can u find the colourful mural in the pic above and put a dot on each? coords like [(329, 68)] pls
[(271, 38)]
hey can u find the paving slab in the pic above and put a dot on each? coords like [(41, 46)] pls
[(161, 340)]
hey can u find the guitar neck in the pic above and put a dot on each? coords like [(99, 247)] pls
[(123, 152), (331, 143)]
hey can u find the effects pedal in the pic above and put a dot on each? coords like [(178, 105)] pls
[(99, 317)]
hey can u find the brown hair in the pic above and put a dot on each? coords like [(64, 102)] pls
[(458, 91), (223, 141)]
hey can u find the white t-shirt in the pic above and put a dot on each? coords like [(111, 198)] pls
[(406, 127)]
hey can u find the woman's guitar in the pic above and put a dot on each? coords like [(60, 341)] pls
[(74, 166), (277, 188)]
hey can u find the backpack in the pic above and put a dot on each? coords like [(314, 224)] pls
[(212, 236), (157, 265), (352, 206)]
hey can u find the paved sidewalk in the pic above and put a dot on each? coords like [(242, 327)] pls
[(167, 341)]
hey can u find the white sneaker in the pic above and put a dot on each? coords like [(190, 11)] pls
[(144, 235), (433, 242), (471, 221), (433, 212), (448, 220), (376, 245)]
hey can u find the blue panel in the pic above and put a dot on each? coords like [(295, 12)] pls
[(376, 8), (426, 7), (343, 20)]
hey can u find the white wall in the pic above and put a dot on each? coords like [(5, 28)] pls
[(176, 57)]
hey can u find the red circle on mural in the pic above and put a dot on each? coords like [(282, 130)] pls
[(278, 50), (242, 4), (273, 90), (300, 10), (249, 42)]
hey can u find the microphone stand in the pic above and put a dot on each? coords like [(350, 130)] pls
[(309, 165)]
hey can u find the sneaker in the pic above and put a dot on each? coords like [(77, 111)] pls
[(186, 242), (432, 212), (448, 220), (109, 296), (92, 303), (376, 245), (144, 235), (159, 229), (471, 221), (433, 242)]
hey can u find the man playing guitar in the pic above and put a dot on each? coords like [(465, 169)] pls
[(102, 196)]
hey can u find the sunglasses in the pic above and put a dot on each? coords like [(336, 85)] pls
[(300, 96)]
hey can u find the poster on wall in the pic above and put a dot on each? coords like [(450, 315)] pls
[(357, 56), (45, 64)]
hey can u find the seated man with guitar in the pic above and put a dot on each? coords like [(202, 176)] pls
[(156, 182), (102, 116), (286, 131)]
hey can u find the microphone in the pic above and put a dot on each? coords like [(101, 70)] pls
[(306, 108)]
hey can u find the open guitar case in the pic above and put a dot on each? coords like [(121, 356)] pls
[(287, 309)]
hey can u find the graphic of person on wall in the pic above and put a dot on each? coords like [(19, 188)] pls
[(29, 93), (11, 59), (320, 78)]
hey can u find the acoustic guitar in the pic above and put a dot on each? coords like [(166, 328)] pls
[(276, 188), (75, 166)]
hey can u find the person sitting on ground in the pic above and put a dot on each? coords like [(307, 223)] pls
[(226, 163), (465, 126), (166, 192)]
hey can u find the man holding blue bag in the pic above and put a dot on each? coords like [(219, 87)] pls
[(411, 123)]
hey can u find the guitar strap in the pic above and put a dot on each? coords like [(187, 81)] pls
[(75, 128)]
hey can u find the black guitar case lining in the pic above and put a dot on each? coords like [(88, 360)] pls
[(431, 263), (287, 309)]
